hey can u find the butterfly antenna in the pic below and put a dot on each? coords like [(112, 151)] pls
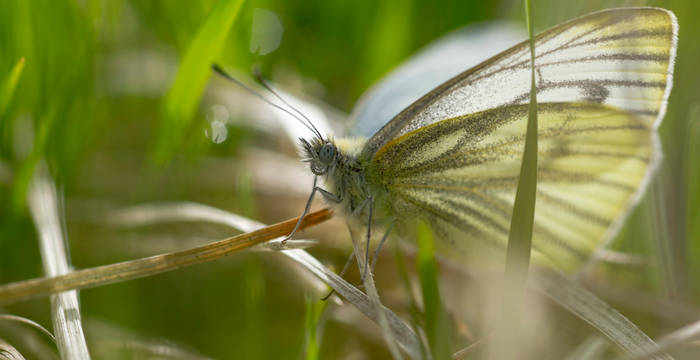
[(263, 82), (223, 73)]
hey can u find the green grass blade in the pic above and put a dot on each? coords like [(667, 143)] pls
[(195, 69), (7, 91), (416, 315), (520, 235), (436, 321), (521, 223), (390, 38), (25, 171), (9, 84), (314, 310)]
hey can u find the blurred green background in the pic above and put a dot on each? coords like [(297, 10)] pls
[(107, 93)]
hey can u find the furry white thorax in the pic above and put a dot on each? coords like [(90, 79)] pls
[(350, 146)]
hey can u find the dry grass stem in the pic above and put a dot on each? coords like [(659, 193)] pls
[(133, 269), (65, 308)]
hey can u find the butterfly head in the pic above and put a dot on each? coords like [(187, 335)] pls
[(321, 154)]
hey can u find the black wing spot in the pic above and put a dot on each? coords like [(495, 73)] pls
[(594, 92)]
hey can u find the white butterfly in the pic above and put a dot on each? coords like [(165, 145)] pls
[(453, 156)]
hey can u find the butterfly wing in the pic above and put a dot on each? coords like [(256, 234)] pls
[(463, 172), (440, 61), (619, 57), (602, 81)]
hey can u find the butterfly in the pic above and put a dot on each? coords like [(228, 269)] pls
[(452, 157)]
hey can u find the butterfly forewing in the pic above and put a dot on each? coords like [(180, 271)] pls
[(602, 82), (618, 57)]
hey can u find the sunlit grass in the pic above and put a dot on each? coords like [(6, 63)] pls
[(195, 69), (8, 84), (521, 224), (56, 104), (436, 321)]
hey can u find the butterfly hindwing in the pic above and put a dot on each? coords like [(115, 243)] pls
[(464, 171)]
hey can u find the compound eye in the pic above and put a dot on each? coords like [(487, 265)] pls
[(326, 153)]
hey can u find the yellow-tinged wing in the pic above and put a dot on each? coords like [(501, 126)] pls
[(462, 173), (602, 84)]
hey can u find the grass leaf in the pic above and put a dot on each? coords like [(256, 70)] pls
[(679, 337), (596, 312), (183, 98), (436, 321), (65, 310), (414, 310), (358, 244), (9, 84), (30, 322), (314, 310), (521, 223)]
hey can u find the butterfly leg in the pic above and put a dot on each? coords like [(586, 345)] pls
[(381, 243), (342, 272), (369, 202), (376, 250), (326, 194), (369, 234)]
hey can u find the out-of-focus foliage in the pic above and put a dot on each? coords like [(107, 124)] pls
[(436, 321), (192, 76), (91, 95)]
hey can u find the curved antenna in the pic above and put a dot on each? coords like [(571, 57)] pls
[(223, 73), (263, 82)]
